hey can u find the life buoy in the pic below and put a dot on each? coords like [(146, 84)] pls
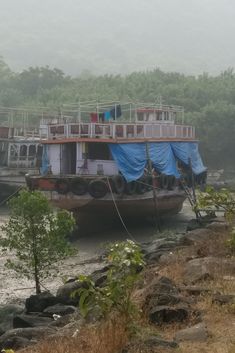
[(62, 186), (130, 188), (79, 186), (118, 183), (97, 188)]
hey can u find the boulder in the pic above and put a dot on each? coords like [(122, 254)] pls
[(223, 299), (167, 314), (100, 276), (64, 293), (59, 309), (7, 313), (218, 227), (23, 336), (154, 341), (197, 333), (207, 267), (21, 321), (200, 235), (15, 342), (39, 302)]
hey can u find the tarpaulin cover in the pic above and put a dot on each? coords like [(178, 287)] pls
[(45, 161), (131, 158), (188, 152)]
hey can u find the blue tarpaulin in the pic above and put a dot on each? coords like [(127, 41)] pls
[(132, 158), (187, 152), (45, 161)]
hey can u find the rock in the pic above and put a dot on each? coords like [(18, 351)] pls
[(164, 299), (154, 341), (197, 333), (218, 227), (200, 235), (223, 299), (7, 313), (193, 224), (149, 344), (195, 290), (15, 342), (168, 258), (39, 302), (154, 257), (64, 293), (162, 292), (21, 321), (23, 335), (63, 321), (59, 309), (100, 276), (166, 314), (207, 267)]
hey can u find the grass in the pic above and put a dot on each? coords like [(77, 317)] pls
[(106, 337)]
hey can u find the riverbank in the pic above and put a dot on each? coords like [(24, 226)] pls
[(186, 296)]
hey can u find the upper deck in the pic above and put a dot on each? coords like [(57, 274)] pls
[(115, 122), (98, 122)]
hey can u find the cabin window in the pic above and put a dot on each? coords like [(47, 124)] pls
[(23, 150), (32, 150), (98, 151)]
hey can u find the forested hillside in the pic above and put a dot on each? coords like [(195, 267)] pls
[(209, 101)]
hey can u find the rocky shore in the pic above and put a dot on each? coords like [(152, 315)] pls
[(181, 272)]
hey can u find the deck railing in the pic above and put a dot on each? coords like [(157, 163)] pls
[(120, 131)]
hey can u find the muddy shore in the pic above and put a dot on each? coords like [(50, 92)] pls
[(14, 289)]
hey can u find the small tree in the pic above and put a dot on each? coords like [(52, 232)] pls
[(37, 235)]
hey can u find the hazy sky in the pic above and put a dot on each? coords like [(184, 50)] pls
[(118, 36)]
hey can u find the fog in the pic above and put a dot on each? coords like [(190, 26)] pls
[(107, 36)]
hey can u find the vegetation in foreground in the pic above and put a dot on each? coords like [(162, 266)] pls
[(37, 236)]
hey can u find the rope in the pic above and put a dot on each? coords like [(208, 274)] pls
[(9, 197), (119, 215)]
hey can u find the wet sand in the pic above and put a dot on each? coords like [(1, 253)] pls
[(14, 289)]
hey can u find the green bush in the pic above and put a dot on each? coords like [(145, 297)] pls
[(126, 261)]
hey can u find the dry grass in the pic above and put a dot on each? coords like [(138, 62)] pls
[(107, 337)]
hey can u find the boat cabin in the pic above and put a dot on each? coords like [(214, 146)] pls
[(77, 142)]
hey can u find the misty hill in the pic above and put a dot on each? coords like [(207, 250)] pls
[(107, 36)]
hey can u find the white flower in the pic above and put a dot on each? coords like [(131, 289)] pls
[(127, 262)]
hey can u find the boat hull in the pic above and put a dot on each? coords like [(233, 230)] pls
[(167, 202)]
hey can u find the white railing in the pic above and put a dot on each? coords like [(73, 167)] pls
[(120, 131)]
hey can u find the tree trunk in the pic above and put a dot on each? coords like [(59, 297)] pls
[(37, 283)]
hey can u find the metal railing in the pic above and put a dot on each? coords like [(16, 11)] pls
[(120, 131)]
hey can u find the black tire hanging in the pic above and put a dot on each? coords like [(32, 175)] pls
[(130, 188), (62, 186), (97, 188), (171, 182), (163, 181), (141, 186), (79, 186), (118, 183)]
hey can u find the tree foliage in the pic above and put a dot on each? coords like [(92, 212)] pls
[(37, 236)]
